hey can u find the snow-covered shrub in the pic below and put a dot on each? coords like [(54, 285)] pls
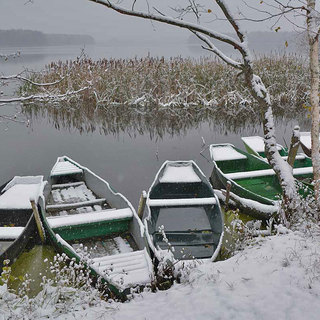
[(68, 291)]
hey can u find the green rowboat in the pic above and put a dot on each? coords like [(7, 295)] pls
[(255, 145), (17, 221), (252, 179), (182, 200), (80, 210)]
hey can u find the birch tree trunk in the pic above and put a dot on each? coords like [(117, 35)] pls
[(314, 95)]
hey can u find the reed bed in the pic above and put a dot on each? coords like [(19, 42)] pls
[(140, 90)]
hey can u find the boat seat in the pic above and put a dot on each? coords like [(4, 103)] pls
[(225, 153), (62, 168), (67, 185), (127, 269), (181, 202), (17, 196), (192, 237), (68, 206), (299, 156), (179, 174), (10, 233), (90, 217), (266, 172), (256, 143)]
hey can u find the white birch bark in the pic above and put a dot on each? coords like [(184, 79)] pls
[(313, 35)]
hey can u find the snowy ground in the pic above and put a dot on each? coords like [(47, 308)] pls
[(276, 278)]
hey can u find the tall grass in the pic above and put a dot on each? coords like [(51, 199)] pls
[(142, 90), (173, 82)]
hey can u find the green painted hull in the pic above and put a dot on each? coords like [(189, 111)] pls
[(88, 230), (298, 163), (191, 239), (51, 236), (263, 189), (99, 229)]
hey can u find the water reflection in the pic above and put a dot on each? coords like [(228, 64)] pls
[(34, 263), (156, 121)]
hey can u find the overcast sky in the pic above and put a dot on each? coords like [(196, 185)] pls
[(85, 17)]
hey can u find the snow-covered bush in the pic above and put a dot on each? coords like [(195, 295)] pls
[(68, 291)]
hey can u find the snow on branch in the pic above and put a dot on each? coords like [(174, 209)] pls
[(10, 55), (175, 22), (18, 77), (260, 89), (43, 97), (211, 47)]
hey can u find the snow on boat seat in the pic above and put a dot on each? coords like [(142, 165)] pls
[(17, 193), (224, 153), (256, 143), (181, 202), (67, 185), (182, 173), (305, 139), (68, 206), (266, 172), (10, 233), (299, 156), (64, 168), (126, 268), (90, 217)]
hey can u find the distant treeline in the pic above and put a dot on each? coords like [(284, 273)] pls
[(30, 38)]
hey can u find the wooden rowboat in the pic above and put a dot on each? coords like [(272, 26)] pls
[(255, 146), (82, 210), (182, 200), (17, 222), (253, 182)]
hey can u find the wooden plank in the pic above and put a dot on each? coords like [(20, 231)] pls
[(91, 217), (180, 202), (67, 185), (68, 206), (265, 172)]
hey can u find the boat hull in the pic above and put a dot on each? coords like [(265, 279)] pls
[(114, 220), (17, 217), (188, 210), (255, 181)]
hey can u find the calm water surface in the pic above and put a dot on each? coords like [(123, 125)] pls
[(128, 159)]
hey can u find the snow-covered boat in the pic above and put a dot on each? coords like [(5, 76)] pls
[(182, 209), (255, 146), (81, 211), (17, 222), (254, 186)]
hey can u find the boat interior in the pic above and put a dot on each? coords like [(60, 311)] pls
[(193, 231), (254, 174), (78, 211), (187, 211)]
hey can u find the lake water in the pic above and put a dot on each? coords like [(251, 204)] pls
[(127, 159)]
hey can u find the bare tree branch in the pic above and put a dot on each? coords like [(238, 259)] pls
[(42, 97), (18, 77), (175, 22), (211, 47)]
